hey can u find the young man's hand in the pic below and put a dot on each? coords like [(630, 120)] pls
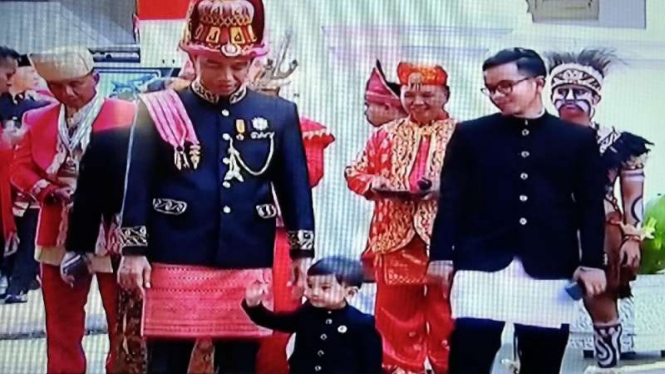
[(593, 280)]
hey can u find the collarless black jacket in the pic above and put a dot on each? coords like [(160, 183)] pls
[(526, 189)]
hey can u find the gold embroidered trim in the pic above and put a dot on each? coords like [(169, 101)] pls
[(301, 240), (213, 98), (266, 211), (169, 206)]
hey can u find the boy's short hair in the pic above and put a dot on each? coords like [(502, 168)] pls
[(347, 271)]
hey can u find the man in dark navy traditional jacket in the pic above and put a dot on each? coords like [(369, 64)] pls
[(199, 213)]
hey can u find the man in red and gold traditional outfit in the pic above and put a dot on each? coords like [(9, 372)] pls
[(46, 167), (399, 170), (382, 105), (382, 102)]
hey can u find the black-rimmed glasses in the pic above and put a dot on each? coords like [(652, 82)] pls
[(504, 87)]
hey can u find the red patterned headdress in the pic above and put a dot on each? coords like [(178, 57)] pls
[(379, 90), (412, 74), (227, 28)]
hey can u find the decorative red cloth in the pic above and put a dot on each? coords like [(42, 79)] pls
[(316, 139), (6, 198), (419, 170), (65, 319), (200, 302), (378, 90), (155, 9), (414, 319)]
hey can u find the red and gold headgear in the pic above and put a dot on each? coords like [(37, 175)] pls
[(227, 28), (415, 74), (379, 91)]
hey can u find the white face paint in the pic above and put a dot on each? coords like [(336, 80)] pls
[(569, 98)]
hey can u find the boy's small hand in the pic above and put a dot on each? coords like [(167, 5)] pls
[(255, 293)]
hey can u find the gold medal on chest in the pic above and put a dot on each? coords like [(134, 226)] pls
[(241, 128)]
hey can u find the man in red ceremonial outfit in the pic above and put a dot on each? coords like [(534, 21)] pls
[(398, 170), (382, 102), (47, 167), (269, 79), (382, 105)]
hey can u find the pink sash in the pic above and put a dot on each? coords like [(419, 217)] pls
[(170, 118), (200, 302)]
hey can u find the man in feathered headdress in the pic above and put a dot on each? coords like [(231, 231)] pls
[(577, 81)]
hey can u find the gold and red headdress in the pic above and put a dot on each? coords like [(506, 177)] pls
[(225, 28), (415, 74)]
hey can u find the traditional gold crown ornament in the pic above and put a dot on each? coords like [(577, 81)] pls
[(231, 28)]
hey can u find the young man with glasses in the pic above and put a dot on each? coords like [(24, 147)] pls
[(516, 189)]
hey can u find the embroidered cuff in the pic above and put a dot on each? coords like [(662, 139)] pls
[(133, 240), (301, 243), (169, 206)]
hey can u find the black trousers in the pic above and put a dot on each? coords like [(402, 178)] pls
[(475, 342), (231, 356), (25, 268)]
